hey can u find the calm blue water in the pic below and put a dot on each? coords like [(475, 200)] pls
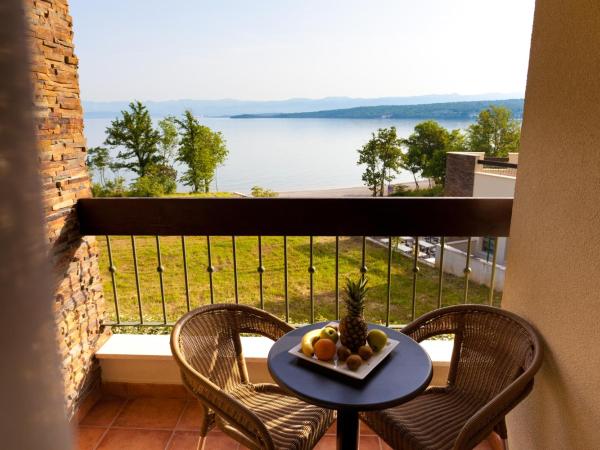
[(288, 154)]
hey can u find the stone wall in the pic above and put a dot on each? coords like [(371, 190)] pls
[(460, 174), (79, 302)]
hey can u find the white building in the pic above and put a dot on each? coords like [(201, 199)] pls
[(469, 175)]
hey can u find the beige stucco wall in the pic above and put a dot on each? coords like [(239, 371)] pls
[(553, 274)]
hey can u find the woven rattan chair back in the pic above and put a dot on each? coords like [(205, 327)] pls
[(495, 357), (491, 347), (209, 340), (207, 347)]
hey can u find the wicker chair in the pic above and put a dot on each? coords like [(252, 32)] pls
[(206, 345), (495, 356)]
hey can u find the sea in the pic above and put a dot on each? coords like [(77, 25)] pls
[(286, 154)]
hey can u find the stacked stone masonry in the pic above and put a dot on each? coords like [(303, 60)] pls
[(460, 175), (79, 302)]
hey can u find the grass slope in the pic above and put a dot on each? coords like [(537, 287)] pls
[(273, 278)]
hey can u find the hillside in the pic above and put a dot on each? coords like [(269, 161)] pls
[(448, 111), (229, 107)]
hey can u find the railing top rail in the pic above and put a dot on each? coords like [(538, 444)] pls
[(442, 216), (492, 163)]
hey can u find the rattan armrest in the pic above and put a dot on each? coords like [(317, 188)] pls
[(223, 404)]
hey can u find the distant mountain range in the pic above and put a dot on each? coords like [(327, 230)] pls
[(447, 111), (278, 108)]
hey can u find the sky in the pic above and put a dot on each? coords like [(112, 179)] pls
[(279, 49)]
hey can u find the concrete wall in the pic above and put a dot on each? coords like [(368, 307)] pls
[(491, 185), (455, 261), (553, 276), (79, 303)]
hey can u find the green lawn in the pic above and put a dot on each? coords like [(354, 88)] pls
[(273, 278), (201, 195)]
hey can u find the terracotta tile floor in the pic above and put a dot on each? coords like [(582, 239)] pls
[(170, 424)]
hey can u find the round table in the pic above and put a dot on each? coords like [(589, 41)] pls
[(405, 373)]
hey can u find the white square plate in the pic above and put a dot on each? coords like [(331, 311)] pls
[(340, 367)]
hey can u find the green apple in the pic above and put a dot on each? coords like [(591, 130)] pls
[(329, 333), (376, 339)]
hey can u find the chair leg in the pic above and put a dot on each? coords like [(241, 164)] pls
[(496, 442), (205, 421)]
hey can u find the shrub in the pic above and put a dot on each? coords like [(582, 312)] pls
[(112, 188), (402, 191), (160, 180), (258, 191)]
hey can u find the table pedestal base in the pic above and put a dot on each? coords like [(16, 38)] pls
[(347, 433)]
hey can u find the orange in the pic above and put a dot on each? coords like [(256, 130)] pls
[(325, 349)]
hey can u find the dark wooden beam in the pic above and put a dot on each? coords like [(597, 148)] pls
[(296, 216)]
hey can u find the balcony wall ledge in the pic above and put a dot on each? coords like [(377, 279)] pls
[(136, 358)]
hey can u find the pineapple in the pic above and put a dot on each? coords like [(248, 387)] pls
[(353, 327)]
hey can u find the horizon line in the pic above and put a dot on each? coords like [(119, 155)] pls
[(225, 99)]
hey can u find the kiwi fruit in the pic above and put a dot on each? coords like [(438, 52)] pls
[(343, 353), (365, 352), (353, 362)]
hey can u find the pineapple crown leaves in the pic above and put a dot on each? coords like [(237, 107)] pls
[(355, 295)]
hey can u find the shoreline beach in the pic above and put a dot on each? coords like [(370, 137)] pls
[(357, 191)]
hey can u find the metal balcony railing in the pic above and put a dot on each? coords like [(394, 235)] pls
[(496, 167), (162, 257)]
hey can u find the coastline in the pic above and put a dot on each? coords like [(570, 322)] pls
[(357, 191)]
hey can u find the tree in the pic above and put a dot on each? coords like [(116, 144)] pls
[(169, 139), (426, 150), (390, 152), (496, 133), (381, 156), (99, 159), (202, 150), (435, 164), (369, 156), (412, 161), (134, 132)]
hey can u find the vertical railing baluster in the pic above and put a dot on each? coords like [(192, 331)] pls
[(285, 280), (414, 283), (260, 271), (441, 274), (389, 283), (363, 264), (493, 275), (185, 274), (337, 278), (112, 269), (137, 280), (235, 275), (210, 269), (311, 271), (160, 269), (467, 270)]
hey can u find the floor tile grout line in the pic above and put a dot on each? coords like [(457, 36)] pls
[(119, 427), (122, 427), (176, 423), (111, 424)]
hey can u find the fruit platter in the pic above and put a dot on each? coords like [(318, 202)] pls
[(347, 346)]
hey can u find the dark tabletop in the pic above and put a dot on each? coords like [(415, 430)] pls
[(402, 375)]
